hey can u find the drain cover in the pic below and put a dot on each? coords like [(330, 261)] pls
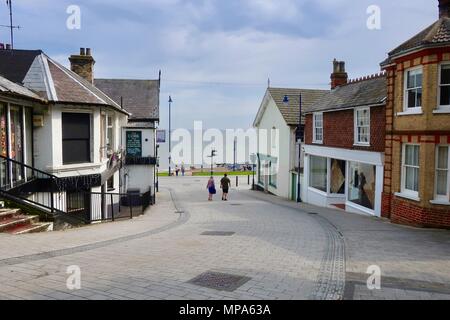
[(313, 213), (219, 281), (218, 233), (235, 204)]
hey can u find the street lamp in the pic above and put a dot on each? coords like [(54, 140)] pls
[(170, 134), (253, 160), (213, 154), (299, 135)]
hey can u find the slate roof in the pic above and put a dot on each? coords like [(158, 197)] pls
[(52, 81), (291, 111), (14, 89), (365, 92), (140, 97), (437, 34)]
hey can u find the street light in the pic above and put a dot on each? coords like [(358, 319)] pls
[(253, 160), (170, 134), (213, 154), (299, 136)]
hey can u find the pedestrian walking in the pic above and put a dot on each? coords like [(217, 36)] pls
[(211, 188), (177, 170), (183, 170), (225, 185)]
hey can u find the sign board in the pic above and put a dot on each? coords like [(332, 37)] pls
[(161, 136), (134, 143)]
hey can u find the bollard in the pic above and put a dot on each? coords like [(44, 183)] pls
[(237, 181)]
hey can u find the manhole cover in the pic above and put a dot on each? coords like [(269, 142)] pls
[(219, 281), (218, 233), (313, 213)]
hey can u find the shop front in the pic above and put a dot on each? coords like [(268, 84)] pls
[(347, 179)]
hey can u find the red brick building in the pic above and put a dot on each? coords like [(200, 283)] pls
[(417, 147), (344, 144)]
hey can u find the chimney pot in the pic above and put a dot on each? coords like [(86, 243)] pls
[(83, 65), (88, 51), (339, 77), (444, 9)]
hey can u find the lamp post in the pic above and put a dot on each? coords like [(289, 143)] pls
[(298, 136), (253, 160), (213, 154), (299, 139), (170, 135)]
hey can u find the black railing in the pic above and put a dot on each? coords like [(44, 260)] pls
[(115, 206)]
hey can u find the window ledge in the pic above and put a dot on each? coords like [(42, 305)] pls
[(440, 202), (412, 112), (317, 142), (407, 196), (360, 144), (442, 109)]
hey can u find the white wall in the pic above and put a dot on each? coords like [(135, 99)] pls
[(272, 117)]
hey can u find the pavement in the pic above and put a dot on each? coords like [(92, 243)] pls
[(255, 246)]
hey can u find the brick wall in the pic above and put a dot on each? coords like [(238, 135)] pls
[(339, 129)]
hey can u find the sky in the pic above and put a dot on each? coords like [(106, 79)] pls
[(216, 56)]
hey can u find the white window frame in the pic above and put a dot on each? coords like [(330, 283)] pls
[(356, 126), (442, 198), (442, 108), (315, 140), (111, 126), (406, 110), (406, 192)]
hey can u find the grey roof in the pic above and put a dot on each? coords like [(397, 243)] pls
[(12, 88), (437, 34), (291, 111), (36, 71), (139, 97), (365, 92)]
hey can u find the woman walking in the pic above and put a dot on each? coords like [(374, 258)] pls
[(211, 188)]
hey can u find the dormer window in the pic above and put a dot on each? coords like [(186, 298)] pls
[(413, 90)]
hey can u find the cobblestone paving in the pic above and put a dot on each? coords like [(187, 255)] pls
[(283, 252)]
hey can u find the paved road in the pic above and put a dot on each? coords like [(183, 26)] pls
[(253, 247)]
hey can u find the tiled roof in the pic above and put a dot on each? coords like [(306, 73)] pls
[(52, 81), (435, 35), (12, 88), (362, 92), (291, 111), (139, 97)]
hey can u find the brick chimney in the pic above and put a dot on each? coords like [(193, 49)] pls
[(339, 77), (83, 64), (444, 9)]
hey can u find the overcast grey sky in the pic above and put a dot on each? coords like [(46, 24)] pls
[(216, 55)]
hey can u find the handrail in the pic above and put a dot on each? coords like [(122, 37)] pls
[(28, 167)]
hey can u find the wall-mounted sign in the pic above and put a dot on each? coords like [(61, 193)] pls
[(134, 143), (161, 136), (38, 121)]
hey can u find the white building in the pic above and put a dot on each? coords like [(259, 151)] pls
[(277, 121), (141, 99)]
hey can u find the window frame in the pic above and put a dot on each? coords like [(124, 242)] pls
[(443, 198), (406, 109), (404, 190), (90, 139), (441, 107), (356, 127), (315, 140)]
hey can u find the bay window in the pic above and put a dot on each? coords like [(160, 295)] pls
[(444, 86), (413, 90), (410, 169), (443, 173)]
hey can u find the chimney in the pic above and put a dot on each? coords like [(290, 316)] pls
[(444, 9), (83, 64), (339, 77)]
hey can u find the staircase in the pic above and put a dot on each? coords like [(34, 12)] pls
[(13, 221)]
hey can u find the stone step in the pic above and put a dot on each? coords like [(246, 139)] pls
[(8, 213), (17, 221), (33, 228)]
